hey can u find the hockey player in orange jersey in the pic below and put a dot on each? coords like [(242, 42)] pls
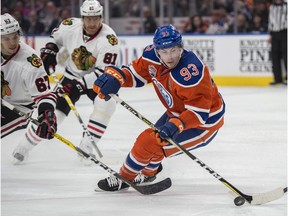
[(195, 108)]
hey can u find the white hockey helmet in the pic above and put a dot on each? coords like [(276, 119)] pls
[(91, 8), (9, 24)]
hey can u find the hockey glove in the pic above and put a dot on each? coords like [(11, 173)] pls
[(48, 124), (75, 88), (109, 82), (82, 58), (169, 130), (48, 56)]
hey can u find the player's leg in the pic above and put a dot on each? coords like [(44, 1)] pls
[(284, 53), (146, 155), (26, 143), (62, 107), (276, 59), (11, 121), (98, 121), (190, 139)]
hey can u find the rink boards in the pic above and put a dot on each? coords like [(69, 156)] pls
[(233, 60)]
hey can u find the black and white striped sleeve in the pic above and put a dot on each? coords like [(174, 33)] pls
[(277, 18)]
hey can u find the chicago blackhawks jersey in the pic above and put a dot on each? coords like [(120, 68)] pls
[(103, 46), (187, 91), (27, 81)]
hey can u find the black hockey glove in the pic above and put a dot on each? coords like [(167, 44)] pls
[(48, 124), (48, 56), (73, 88)]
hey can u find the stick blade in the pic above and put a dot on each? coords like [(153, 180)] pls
[(263, 198), (155, 188)]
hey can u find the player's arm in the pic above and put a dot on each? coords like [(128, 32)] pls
[(197, 98), (198, 101), (49, 52), (141, 70), (136, 75), (46, 118), (193, 116), (45, 100), (109, 82), (48, 56)]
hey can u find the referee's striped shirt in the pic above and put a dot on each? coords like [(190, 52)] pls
[(277, 17)]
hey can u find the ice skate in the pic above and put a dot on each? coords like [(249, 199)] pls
[(112, 184), (142, 179), (87, 148), (20, 154)]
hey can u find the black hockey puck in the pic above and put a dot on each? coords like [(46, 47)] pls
[(239, 201)]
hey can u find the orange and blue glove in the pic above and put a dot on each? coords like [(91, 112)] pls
[(169, 130), (109, 82)]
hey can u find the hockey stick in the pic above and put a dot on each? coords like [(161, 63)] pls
[(145, 189), (73, 108), (240, 200)]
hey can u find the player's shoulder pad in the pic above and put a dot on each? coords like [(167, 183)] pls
[(107, 37), (149, 53), (28, 55), (189, 71), (67, 25), (112, 39), (70, 21)]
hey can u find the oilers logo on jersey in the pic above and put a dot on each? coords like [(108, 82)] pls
[(152, 70), (165, 94)]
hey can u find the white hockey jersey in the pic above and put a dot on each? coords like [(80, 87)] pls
[(103, 46), (27, 78)]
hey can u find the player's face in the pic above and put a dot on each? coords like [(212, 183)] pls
[(170, 56), (9, 43), (92, 24)]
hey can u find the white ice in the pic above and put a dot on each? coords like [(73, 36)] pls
[(250, 152)]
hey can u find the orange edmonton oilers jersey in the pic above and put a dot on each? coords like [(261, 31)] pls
[(187, 91)]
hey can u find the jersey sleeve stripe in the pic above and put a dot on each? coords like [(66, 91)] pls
[(47, 98), (196, 108), (216, 118), (207, 125), (150, 60), (50, 96), (138, 81), (220, 110), (206, 119), (202, 117)]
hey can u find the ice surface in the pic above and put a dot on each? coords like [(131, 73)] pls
[(250, 152)]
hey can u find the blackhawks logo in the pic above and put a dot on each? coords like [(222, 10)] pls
[(67, 21), (5, 89), (35, 60), (112, 39)]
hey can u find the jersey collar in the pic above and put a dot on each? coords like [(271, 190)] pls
[(10, 57), (93, 36)]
